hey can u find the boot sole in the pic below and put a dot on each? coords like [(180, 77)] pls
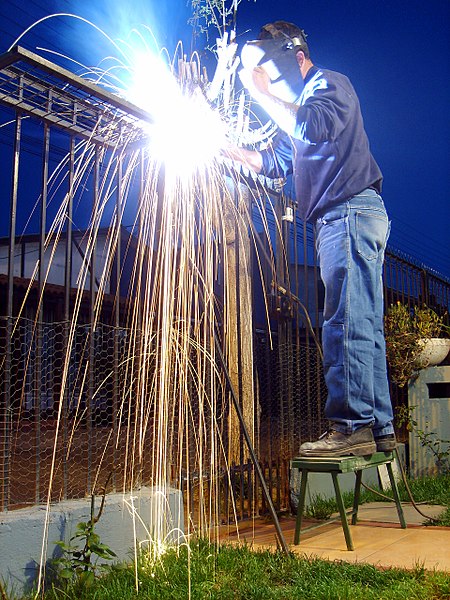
[(356, 450)]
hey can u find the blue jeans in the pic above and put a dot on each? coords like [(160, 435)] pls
[(351, 239)]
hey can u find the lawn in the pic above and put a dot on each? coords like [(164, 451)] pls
[(205, 571)]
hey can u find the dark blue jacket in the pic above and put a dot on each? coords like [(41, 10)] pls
[(329, 154)]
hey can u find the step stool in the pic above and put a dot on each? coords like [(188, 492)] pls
[(344, 464)]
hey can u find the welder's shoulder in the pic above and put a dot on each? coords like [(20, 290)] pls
[(337, 78), (339, 86)]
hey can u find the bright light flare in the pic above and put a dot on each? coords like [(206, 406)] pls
[(187, 134)]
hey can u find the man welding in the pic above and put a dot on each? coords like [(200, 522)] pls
[(323, 144)]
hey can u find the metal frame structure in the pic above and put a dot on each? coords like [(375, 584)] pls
[(36, 87), (40, 88), (290, 384)]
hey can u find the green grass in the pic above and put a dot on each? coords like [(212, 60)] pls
[(238, 573), (232, 573), (430, 490)]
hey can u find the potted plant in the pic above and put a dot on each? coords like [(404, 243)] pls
[(413, 340)]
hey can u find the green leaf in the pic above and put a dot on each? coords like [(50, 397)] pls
[(87, 578), (66, 573)]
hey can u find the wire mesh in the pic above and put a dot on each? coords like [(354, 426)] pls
[(63, 418)]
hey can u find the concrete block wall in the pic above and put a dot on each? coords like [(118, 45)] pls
[(156, 513), (429, 396)]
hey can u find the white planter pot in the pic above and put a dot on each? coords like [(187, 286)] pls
[(434, 350)]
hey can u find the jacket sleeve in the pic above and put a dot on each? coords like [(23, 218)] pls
[(326, 110), (277, 159)]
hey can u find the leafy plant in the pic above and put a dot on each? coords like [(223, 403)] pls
[(216, 13), (404, 328), (438, 447), (78, 563)]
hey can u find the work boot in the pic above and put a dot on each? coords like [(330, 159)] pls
[(335, 443), (386, 443)]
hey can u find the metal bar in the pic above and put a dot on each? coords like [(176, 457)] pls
[(301, 505), (38, 392), (395, 492), (251, 449), (67, 288), (50, 119), (238, 248), (116, 351), (92, 320), (288, 361), (18, 53), (7, 416), (356, 496)]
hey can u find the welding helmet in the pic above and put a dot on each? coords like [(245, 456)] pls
[(275, 51)]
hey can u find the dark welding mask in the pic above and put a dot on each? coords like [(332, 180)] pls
[(278, 58)]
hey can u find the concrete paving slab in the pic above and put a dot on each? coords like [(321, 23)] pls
[(427, 547), (386, 512), (377, 538)]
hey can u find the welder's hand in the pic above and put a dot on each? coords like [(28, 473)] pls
[(251, 159)]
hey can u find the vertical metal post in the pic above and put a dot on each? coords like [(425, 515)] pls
[(251, 449), (92, 296), (281, 329), (116, 351), (288, 361), (425, 287), (140, 322), (238, 348), (7, 416), (66, 327), (38, 373)]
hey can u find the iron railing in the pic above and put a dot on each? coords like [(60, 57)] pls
[(75, 434)]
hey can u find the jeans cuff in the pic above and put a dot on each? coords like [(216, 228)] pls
[(388, 430)]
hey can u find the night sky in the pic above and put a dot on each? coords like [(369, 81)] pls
[(396, 53)]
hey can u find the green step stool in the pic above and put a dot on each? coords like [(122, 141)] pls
[(335, 466)]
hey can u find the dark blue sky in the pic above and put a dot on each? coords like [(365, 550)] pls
[(396, 52)]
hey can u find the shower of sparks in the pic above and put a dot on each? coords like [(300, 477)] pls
[(186, 134), (168, 423)]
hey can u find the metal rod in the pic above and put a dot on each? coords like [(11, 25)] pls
[(251, 449), (67, 288), (116, 351), (7, 416), (19, 54), (92, 296), (38, 378)]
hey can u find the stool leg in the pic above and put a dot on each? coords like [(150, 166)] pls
[(394, 488), (301, 505), (356, 497), (340, 503)]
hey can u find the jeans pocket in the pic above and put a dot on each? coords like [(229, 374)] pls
[(371, 233)]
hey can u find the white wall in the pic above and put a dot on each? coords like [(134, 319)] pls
[(21, 531)]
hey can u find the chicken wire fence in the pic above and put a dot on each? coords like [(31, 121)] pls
[(61, 415), (67, 426)]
